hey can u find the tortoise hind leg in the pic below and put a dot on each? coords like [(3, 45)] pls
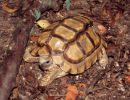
[(103, 59), (52, 74)]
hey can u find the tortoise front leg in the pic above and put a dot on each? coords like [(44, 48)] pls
[(51, 74), (27, 55)]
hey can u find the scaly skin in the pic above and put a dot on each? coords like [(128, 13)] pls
[(51, 74)]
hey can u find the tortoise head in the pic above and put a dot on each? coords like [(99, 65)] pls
[(46, 62)]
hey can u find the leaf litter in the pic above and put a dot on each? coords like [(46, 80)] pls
[(109, 84)]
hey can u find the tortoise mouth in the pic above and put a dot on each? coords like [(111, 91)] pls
[(47, 67)]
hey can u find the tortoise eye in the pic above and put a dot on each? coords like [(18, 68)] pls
[(45, 61), (48, 62)]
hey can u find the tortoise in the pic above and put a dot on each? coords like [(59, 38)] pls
[(69, 46)]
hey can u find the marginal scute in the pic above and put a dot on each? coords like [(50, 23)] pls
[(57, 59), (81, 68), (56, 44), (73, 69), (74, 24), (34, 51), (74, 52), (83, 19), (43, 38), (69, 67), (66, 66), (93, 35), (91, 59), (64, 32), (88, 62), (43, 51), (85, 43), (94, 56), (52, 26)]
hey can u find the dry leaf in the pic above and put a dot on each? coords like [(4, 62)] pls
[(82, 85), (118, 16), (8, 9), (72, 93), (81, 88), (34, 38), (81, 93), (43, 23), (127, 78), (50, 98)]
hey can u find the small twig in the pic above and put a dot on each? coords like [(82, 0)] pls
[(98, 77)]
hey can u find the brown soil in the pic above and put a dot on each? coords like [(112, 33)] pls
[(113, 83)]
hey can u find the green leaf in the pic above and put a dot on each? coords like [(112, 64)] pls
[(36, 14), (68, 3), (32, 30), (50, 3), (47, 3)]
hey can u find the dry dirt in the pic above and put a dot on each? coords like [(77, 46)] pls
[(113, 83)]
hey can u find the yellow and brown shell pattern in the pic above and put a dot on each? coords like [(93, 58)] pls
[(72, 44)]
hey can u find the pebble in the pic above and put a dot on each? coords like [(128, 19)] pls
[(128, 65), (102, 29)]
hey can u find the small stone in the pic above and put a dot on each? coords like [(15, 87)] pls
[(116, 64), (128, 65), (102, 29), (99, 28)]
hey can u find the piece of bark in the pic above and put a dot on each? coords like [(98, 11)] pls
[(9, 69)]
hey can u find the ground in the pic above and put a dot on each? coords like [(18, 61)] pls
[(111, 19)]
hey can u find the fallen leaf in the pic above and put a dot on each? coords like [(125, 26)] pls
[(111, 49), (81, 93), (72, 93), (34, 38), (127, 78), (82, 85), (118, 15), (6, 8), (81, 88), (15, 93), (68, 4), (34, 51), (43, 23), (50, 98)]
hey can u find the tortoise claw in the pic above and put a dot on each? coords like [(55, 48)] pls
[(51, 74)]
